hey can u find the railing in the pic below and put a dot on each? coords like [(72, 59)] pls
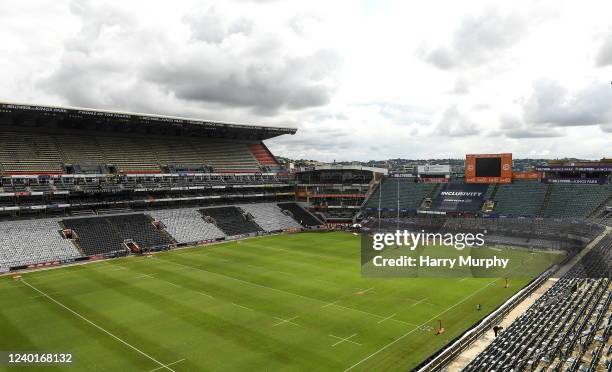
[(445, 356)]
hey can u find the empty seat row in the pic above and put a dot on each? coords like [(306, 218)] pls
[(403, 193), (33, 241), (47, 153), (187, 225), (106, 234), (299, 214), (232, 220), (270, 217)]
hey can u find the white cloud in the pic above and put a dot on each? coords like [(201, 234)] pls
[(360, 80), (554, 105)]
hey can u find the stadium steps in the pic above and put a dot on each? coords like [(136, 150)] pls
[(597, 212), (546, 200), (301, 215), (372, 188), (186, 225), (434, 191), (411, 194), (233, 221), (494, 191), (270, 217), (106, 234), (519, 198), (74, 242)]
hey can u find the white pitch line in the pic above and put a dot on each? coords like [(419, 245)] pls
[(205, 294), (285, 292), (164, 366), (145, 276), (169, 364), (329, 304), (419, 302), (362, 291), (174, 284), (346, 339), (389, 317), (424, 323), (42, 295), (283, 321), (244, 307)]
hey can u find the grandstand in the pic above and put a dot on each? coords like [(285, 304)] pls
[(79, 185), (405, 194), (335, 193), (115, 178), (72, 153), (573, 200), (517, 199), (568, 328)]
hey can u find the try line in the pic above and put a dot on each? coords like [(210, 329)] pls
[(162, 365)]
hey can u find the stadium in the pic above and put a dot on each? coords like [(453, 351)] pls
[(146, 242)]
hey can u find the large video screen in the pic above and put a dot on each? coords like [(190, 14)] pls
[(488, 167)]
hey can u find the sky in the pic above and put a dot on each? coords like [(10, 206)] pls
[(360, 80)]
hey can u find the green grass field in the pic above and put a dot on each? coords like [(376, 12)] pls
[(288, 302)]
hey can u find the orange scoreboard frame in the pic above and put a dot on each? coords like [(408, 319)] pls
[(505, 174)]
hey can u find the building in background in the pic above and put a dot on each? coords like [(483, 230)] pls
[(336, 192)]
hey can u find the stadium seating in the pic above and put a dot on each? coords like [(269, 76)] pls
[(300, 214), (33, 241), (565, 329), (48, 153), (410, 193), (222, 156), (263, 155), (129, 155), (520, 198), (232, 220), (22, 153), (186, 225), (270, 217), (575, 200), (99, 235), (79, 150)]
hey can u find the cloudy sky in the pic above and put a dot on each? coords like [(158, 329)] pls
[(359, 79)]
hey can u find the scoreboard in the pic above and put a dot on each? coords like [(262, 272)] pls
[(488, 168)]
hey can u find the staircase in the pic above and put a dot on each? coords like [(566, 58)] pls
[(495, 188), (434, 191), (546, 200), (602, 207)]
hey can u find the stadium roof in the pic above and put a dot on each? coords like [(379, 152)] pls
[(75, 118)]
